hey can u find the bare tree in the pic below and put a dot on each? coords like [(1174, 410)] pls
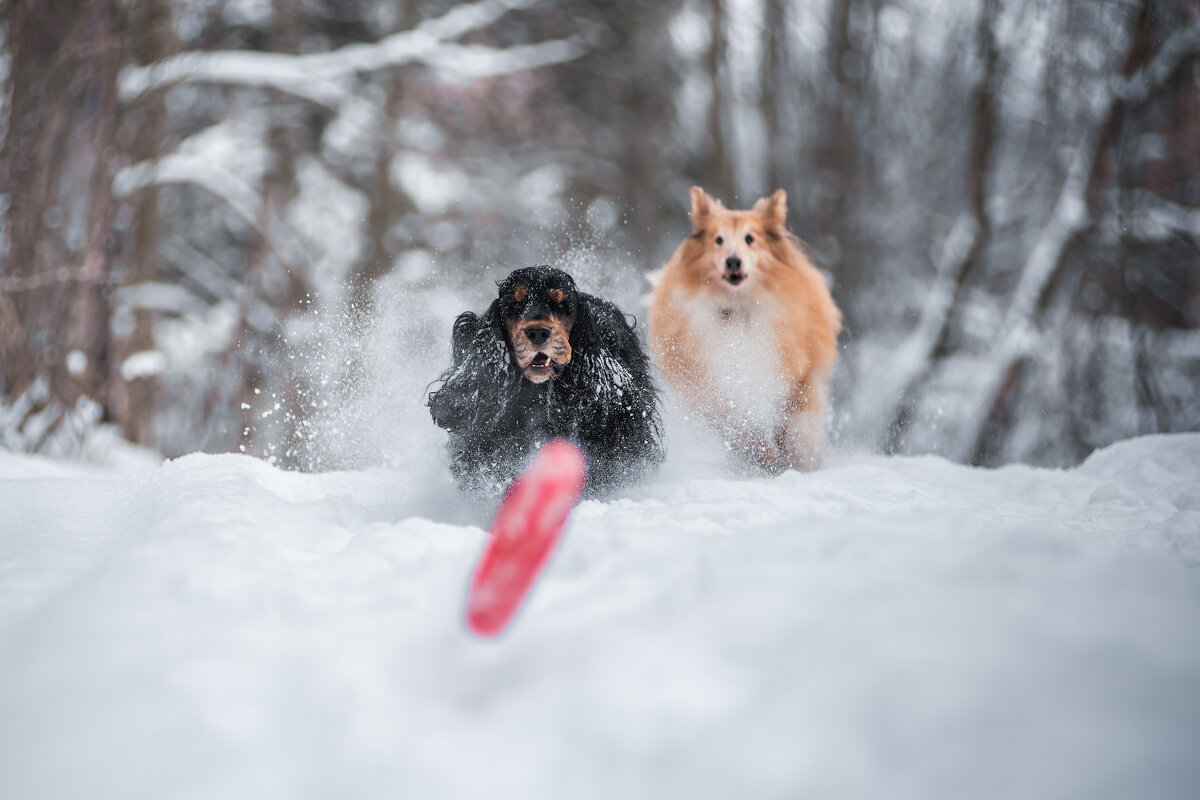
[(962, 251), (1069, 217), (1002, 193), (720, 169), (56, 171), (138, 363)]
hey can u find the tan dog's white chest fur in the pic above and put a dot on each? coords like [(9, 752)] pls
[(740, 357), (744, 329)]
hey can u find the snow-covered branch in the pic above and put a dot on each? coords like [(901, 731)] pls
[(473, 62), (200, 267), (284, 73), (951, 261), (321, 77), (914, 356), (1175, 51), (1070, 213), (203, 172), (1152, 219), (1069, 216)]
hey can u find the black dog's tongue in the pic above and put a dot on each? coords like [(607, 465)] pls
[(540, 360)]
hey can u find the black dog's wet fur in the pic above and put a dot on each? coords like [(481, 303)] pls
[(604, 399)]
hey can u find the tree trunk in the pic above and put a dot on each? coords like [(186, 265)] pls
[(387, 206), (136, 394), (56, 169), (721, 182), (957, 273), (834, 170), (771, 97)]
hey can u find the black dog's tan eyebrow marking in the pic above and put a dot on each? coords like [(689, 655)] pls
[(520, 293), (557, 295)]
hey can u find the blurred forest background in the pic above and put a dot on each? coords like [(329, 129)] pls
[(246, 224)]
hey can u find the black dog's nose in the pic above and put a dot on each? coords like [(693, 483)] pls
[(537, 334), (733, 264)]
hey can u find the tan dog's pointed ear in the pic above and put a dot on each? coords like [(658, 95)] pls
[(773, 210), (702, 207)]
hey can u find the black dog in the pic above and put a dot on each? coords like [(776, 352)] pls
[(546, 360)]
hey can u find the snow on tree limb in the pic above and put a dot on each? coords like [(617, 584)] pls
[(953, 258), (1182, 46), (1070, 213), (1068, 218), (914, 356), (236, 193), (284, 73), (320, 77), (1152, 219), (472, 62), (1017, 334), (463, 19), (200, 267)]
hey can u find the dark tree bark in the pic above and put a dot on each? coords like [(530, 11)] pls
[(1098, 151), (984, 122), (625, 86), (773, 82), (833, 176), (135, 398), (720, 183), (56, 169), (387, 206)]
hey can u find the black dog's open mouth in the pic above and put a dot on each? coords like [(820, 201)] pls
[(541, 363)]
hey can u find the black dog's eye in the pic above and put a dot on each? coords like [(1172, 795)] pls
[(749, 239), (720, 240), (556, 295)]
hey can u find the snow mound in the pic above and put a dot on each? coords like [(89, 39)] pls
[(885, 627)]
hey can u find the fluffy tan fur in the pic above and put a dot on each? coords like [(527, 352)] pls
[(743, 327)]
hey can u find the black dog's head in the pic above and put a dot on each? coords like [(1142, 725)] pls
[(546, 360), (538, 308)]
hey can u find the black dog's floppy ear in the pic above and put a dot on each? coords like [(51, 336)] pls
[(584, 333), (461, 335), (481, 372), (469, 325), (494, 319)]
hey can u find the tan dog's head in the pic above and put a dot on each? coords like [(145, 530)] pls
[(539, 307), (732, 249)]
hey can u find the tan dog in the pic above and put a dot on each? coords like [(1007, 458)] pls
[(744, 329)]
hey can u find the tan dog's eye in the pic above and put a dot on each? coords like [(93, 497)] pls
[(749, 239), (556, 295), (521, 293), (720, 240)]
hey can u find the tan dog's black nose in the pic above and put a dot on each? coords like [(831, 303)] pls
[(733, 264), (537, 335)]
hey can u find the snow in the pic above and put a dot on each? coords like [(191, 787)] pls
[(884, 627), (322, 78), (143, 364)]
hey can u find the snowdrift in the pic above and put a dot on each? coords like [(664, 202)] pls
[(886, 627)]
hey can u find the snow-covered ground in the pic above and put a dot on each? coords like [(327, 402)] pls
[(883, 628)]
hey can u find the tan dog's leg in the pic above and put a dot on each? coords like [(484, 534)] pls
[(803, 430), (758, 446), (803, 435)]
